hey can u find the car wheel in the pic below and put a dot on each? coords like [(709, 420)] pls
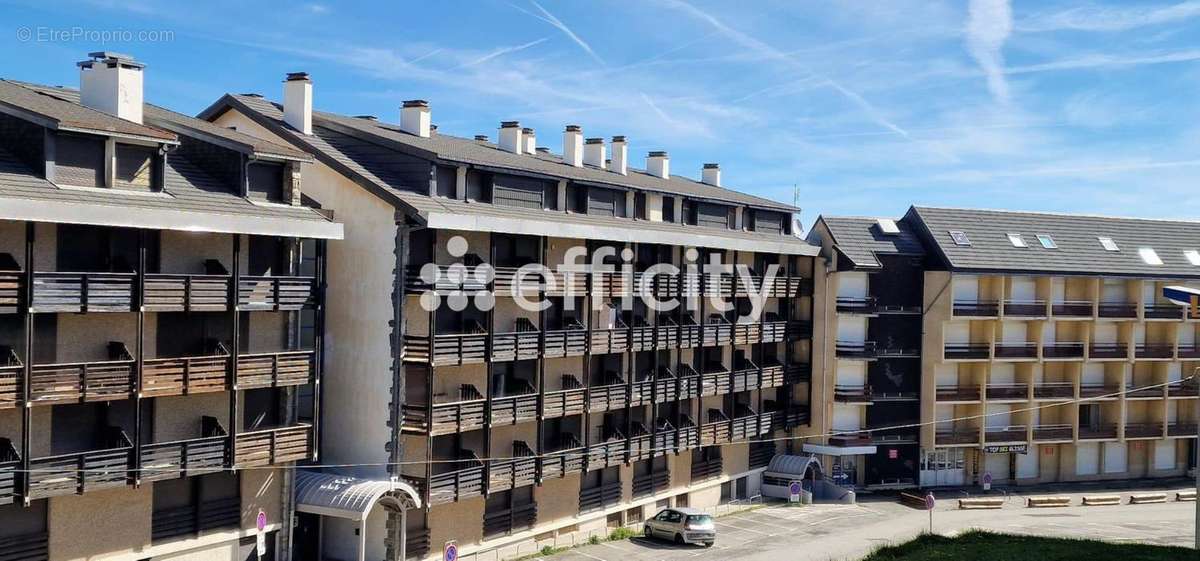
[(678, 539), (709, 544), (648, 532)]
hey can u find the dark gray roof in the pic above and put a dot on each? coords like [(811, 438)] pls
[(457, 149), (59, 114), (859, 239), (1079, 250), (185, 125)]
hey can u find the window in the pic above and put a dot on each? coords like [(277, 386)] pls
[(1047, 241), (1108, 244), (135, 167), (188, 506), (576, 198), (1192, 256), (520, 192), (606, 202), (265, 182), (960, 238), (889, 227), (1149, 256), (79, 161), (714, 216), (1016, 240), (668, 209)]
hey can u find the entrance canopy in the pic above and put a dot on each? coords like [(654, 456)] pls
[(330, 494), (839, 450)]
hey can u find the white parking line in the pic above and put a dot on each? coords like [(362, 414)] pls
[(589, 556), (751, 530)]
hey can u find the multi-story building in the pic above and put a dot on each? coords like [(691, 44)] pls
[(1048, 351), (160, 308), (513, 426)]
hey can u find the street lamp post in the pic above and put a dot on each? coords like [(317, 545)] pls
[(1190, 299)]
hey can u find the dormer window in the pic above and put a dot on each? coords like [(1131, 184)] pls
[(79, 160), (135, 167), (265, 182)]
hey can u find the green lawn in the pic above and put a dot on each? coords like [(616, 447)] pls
[(986, 546)]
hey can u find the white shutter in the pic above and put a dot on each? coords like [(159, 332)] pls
[(945, 416), (1113, 291), (1003, 373), (852, 329), (1174, 372), (1023, 289), (998, 415), (947, 374), (956, 332), (1139, 334), (1164, 454), (1087, 458), (1187, 335), (1050, 332), (851, 373), (1014, 331), (847, 417), (966, 288), (852, 285), (1058, 290), (1172, 411), (1106, 333), (1027, 464), (1115, 460), (1093, 373), (997, 465)]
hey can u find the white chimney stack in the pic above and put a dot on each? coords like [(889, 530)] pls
[(297, 101), (594, 153), (573, 145), (658, 164), (620, 155), (711, 174), (112, 83), (414, 117), (510, 137), (528, 141)]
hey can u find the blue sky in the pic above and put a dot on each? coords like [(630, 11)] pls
[(866, 107)]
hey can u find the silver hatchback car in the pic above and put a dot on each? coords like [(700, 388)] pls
[(682, 525)]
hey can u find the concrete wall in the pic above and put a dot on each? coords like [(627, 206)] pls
[(109, 524)]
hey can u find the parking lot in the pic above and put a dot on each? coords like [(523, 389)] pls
[(836, 532)]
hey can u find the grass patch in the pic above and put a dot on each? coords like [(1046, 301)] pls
[(621, 533), (987, 546)]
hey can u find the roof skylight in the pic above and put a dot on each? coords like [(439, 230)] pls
[(1149, 256), (1047, 241), (1108, 243), (960, 238), (1193, 256), (888, 226), (1016, 240)]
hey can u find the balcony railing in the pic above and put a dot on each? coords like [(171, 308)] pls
[(1139, 390), (746, 377), (715, 381), (595, 498), (185, 458), (856, 304), (1062, 350), (1012, 433), (1025, 308), (79, 382), (522, 344), (1184, 429), (1072, 308), (568, 401), (761, 454), (11, 373), (1162, 311), (1096, 391), (276, 293), (1098, 432), (1043, 433), (80, 472), (608, 453), (957, 436), (745, 424), (462, 483), (12, 284), (566, 342), (611, 396), (957, 393), (518, 471), (83, 292), (976, 308), (687, 434), (747, 333), (855, 349), (1108, 351), (650, 483), (509, 520), (564, 459), (1143, 430), (1007, 350), (191, 520), (641, 445), (448, 418), (274, 446), (705, 468), (185, 375), (664, 438), (517, 408), (447, 349), (967, 351), (270, 370), (1189, 388), (1154, 350), (1117, 310), (10, 463), (186, 293), (797, 372), (1189, 350), (717, 430), (852, 393), (1053, 390), (690, 335), (614, 340), (26, 547), (799, 329), (717, 331), (1008, 392)]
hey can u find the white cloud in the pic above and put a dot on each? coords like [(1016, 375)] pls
[(989, 23), (503, 51), (550, 18), (1109, 18)]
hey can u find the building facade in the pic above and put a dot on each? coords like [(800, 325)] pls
[(1048, 353), (515, 425), (160, 307)]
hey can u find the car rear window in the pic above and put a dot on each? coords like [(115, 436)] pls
[(699, 520)]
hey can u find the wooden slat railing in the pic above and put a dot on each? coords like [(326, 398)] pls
[(83, 292), (276, 293), (715, 381), (12, 284), (510, 473), (640, 442), (79, 382), (599, 497), (609, 453), (25, 547), (565, 458), (717, 430), (512, 409), (11, 373), (458, 484), (566, 342), (650, 483), (272, 370), (568, 401), (10, 463), (166, 292), (80, 472), (184, 375), (274, 446), (614, 395), (196, 456)]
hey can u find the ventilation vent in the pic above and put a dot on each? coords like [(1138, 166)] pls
[(887, 226)]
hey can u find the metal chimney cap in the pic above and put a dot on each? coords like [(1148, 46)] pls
[(510, 124), (526, 130), (657, 154), (297, 76), (574, 128), (594, 141), (712, 166), (481, 137), (618, 139), (416, 103)]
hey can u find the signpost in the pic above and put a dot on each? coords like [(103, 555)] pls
[(1189, 298), (794, 491), (929, 504), (260, 543), (987, 481), (450, 551)]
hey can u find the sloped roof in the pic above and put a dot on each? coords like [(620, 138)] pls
[(859, 239), (1079, 250), (330, 494), (64, 115)]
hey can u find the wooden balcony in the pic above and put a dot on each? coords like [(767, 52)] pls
[(1154, 351), (276, 293), (1143, 430), (185, 375), (773, 374), (957, 393), (12, 284), (11, 374), (80, 382), (761, 454), (80, 472), (799, 329), (1072, 309), (1025, 308), (745, 424), (1053, 433), (1117, 310), (715, 381), (613, 284), (641, 336), (186, 293), (448, 418), (1184, 429), (10, 463), (718, 429), (1011, 433), (773, 331), (464, 482), (1016, 351), (747, 333), (566, 342), (505, 522), (745, 377), (1007, 392), (520, 470), (608, 453), (852, 394), (650, 483), (1102, 351), (687, 434), (274, 446), (508, 283), (666, 386), (565, 458), (958, 436), (83, 292), (664, 438), (522, 344), (184, 458), (1054, 390), (270, 370), (1062, 351), (690, 334), (797, 372), (609, 397), (518, 408), (641, 443), (1098, 432), (1161, 311), (705, 468), (967, 351), (447, 349), (856, 305), (976, 308), (26, 547), (717, 331), (596, 498), (1139, 390), (614, 340), (568, 401)]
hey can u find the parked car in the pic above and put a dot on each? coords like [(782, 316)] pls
[(682, 525)]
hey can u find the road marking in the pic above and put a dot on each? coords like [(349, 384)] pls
[(726, 523), (589, 556)]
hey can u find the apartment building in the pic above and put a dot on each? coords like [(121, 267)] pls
[(464, 415), (161, 284), (1048, 351)]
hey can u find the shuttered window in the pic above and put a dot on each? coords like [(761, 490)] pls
[(266, 182), (135, 167), (79, 161), (603, 202), (769, 222), (518, 191), (713, 216)]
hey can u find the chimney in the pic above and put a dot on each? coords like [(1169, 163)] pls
[(593, 152), (573, 145), (711, 174), (510, 137), (528, 141), (620, 155), (658, 164), (297, 101), (414, 117), (112, 83)]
